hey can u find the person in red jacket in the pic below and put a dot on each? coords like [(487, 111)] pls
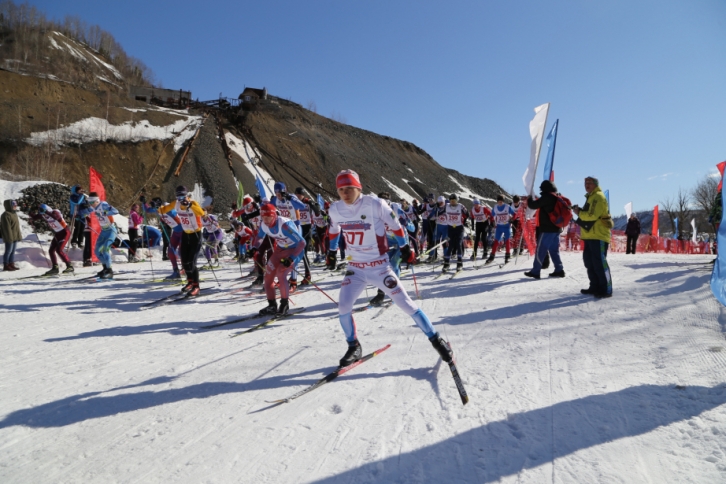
[(54, 219)]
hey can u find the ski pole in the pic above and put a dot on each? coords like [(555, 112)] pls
[(212, 268), (415, 284), (73, 220), (324, 293), (43, 250)]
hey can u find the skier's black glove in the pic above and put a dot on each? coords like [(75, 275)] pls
[(330, 260), (253, 251), (286, 262), (407, 255), (142, 199)]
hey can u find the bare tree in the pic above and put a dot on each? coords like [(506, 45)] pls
[(679, 207), (704, 194)]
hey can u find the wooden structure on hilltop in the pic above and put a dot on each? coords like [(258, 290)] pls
[(161, 97)]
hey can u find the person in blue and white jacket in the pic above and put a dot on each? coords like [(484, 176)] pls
[(104, 213)]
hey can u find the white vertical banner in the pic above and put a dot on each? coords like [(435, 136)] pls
[(628, 209), (693, 225), (536, 132)]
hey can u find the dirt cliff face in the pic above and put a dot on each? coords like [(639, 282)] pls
[(285, 141), (301, 148)]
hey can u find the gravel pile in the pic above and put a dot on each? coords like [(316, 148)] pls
[(54, 195)]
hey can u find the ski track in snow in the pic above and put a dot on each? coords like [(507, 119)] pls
[(563, 388)]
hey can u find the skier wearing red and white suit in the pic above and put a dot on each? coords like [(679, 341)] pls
[(289, 247), (364, 220)]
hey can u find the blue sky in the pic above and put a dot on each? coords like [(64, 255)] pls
[(639, 86)]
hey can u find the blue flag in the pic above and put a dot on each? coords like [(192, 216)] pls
[(321, 202), (675, 228), (607, 197), (718, 276), (261, 187), (549, 162)]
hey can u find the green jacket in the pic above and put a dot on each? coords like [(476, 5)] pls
[(9, 224), (594, 218)]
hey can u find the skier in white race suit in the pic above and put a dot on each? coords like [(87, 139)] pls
[(364, 219)]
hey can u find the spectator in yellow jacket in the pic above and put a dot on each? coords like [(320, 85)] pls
[(596, 225)]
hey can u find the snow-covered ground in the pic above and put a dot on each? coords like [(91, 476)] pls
[(563, 388)]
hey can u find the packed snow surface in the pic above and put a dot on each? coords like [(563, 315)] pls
[(564, 388)]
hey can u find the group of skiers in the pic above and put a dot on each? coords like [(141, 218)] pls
[(377, 234)]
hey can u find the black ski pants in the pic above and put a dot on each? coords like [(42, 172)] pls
[(189, 250), (480, 234)]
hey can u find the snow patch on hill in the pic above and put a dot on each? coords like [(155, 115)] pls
[(398, 194), (96, 129), (248, 154), (467, 192)]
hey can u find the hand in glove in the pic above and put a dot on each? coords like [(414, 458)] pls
[(286, 262), (407, 255)]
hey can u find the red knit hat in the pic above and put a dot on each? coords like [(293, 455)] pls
[(348, 178), (268, 210)]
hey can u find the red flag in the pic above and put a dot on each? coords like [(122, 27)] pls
[(95, 185), (552, 175), (721, 167), (655, 221)]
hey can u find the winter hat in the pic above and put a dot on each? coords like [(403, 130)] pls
[(181, 191), (299, 191), (453, 196), (594, 180), (547, 187), (280, 187), (42, 208), (348, 178), (268, 210), (476, 201), (441, 199)]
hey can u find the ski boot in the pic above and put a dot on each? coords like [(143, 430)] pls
[(259, 280), (293, 285), (195, 290), (484, 255), (378, 299), (557, 274), (101, 272), (68, 270), (473, 256), (107, 274), (490, 259), (306, 280), (283, 308), (53, 272), (187, 287), (353, 354), (506, 257), (174, 276), (271, 308), (442, 347), (459, 266), (445, 268), (87, 263)]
